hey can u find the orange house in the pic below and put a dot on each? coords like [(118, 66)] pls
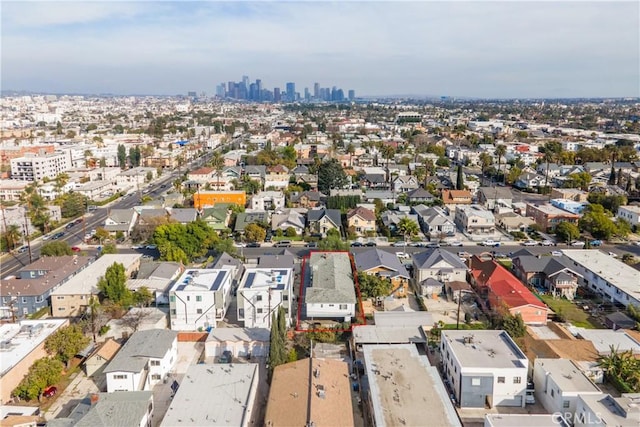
[(211, 198)]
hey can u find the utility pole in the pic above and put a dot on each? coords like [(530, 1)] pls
[(26, 235), (458, 315)]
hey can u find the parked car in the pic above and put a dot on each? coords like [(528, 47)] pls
[(403, 255), (556, 253), (356, 245), (578, 243), (371, 244), (491, 243), (23, 249), (151, 247), (75, 249), (226, 357), (613, 254), (455, 243), (530, 243), (400, 244), (433, 245), (312, 245), (546, 243), (596, 243), (46, 237), (282, 244), (58, 235), (464, 255), (50, 391), (253, 245), (68, 226)]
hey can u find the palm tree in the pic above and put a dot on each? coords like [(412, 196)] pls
[(351, 150), (12, 235), (485, 161), (408, 228), (217, 163), (501, 150)]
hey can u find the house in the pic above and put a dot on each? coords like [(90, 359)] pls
[(475, 219), (217, 218), (420, 195), (322, 220), (629, 213), (405, 184), (529, 181), (438, 264), (456, 197), (511, 221), (245, 218), (267, 201), (606, 340), (23, 344), (385, 196), (385, 265), (99, 359), (125, 408), (261, 293), (149, 216), (554, 274), (72, 297), (391, 219), (490, 197), (361, 220), (216, 395), (29, 289), (182, 215), (200, 298), (569, 193), (143, 361), (619, 320), (547, 217), (203, 199), (277, 178), (284, 219), (312, 391), (503, 292), (202, 175), (484, 368), (434, 222), (569, 205), (241, 342), (329, 286), (121, 220), (558, 383), (608, 277), (606, 410), (157, 277), (374, 181), (306, 199), (136, 319)]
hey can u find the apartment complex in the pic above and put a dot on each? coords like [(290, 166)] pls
[(36, 168), (261, 293)]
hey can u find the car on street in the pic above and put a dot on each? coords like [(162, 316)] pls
[(151, 247), (356, 245), (57, 235), (75, 249), (530, 243), (253, 245), (371, 244), (46, 237), (455, 243), (546, 243), (311, 245), (556, 253), (432, 245), (578, 243), (464, 255), (50, 391), (398, 244), (282, 244), (68, 226), (596, 243), (23, 249), (403, 255), (491, 243), (613, 254)]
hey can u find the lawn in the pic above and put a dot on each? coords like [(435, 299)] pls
[(568, 310)]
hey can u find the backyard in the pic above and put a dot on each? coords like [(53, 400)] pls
[(569, 312)]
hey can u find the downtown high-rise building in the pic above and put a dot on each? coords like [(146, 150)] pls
[(291, 91)]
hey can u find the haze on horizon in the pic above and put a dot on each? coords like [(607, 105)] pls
[(482, 49)]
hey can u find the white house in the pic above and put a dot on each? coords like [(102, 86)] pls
[(241, 342), (267, 200), (605, 410), (475, 219), (484, 368), (261, 293), (630, 213), (330, 288), (200, 298), (144, 361), (558, 382)]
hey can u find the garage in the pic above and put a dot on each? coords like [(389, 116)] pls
[(241, 342)]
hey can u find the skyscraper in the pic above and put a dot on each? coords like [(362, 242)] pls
[(352, 94), (259, 89), (316, 90), (307, 94), (291, 91), (276, 94)]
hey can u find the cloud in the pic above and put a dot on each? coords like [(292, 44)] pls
[(461, 48)]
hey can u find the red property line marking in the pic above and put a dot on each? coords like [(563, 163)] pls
[(360, 318)]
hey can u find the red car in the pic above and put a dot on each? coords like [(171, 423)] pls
[(50, 391), (76, 249)]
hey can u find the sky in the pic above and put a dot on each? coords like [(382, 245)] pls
[(483, 49)]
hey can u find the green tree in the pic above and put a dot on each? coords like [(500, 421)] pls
[(567, 231), (102, 234), (143, 297), (113, 285), (66, 342), (277, 341), (501, 150), (149, 176), (331, 175), (254, 233), (408, 227), (42, 373), (513, 174), (513, 325), (598, 222), (122, 156), (372, 286), (72, 204), (109, 248), (12, 236), (579, 180), (460, 179), (56, 248), (291, 232), (333, 243)]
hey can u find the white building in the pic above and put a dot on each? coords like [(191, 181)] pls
[(330, 288), (558, 382), (474, 219), (630, 213), (267, 201), (525, 420), (261, 293), (484, 368), (36, 168), (200, 298), (605, 275), (134, 178), (11, 190), (144, 361), (605, 410)]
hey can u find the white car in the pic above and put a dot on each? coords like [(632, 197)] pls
[(403, 255), (464, 255), (490, 242), (151, 247), (530, 243), (546, 243), (556, 253), (613, 254), (455, 243), (578, 243)]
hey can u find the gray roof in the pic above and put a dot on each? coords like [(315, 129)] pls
[(121, 216), (315, 215), (332, 279), (245, 218), (158, 270), (373, 258), (121, 409), (419, 193), (428, 258), (184, 215), (490, 193), (239, 335), (141, 346), (276, 261)]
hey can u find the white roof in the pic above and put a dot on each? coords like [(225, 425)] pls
[(17, 340), (603, 339), (484, 349), (616, 272), (86, 281), (523, 420), (214, 395), (566, 375)]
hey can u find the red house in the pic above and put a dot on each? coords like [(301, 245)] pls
[(502, 290)]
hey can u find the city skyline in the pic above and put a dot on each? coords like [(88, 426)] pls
[(460, 49)]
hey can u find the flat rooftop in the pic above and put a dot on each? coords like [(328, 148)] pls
[(86, 281), (603, 339), (265, 278), (617, 411), (373, 334), (524, 420), (485, 349), (403, 384), (201, 279), (619, 274), (214, 395), (17, 340), (549, 209), (567, 375)]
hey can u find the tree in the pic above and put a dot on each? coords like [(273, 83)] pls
[(70, 134), (330, 176), (513, 325), (143, 297), (372, 286), (254, 233), (598, 222), (277, 341), (113, 285), (460, 179), (72, 204), (217, 163), (149, 176), (351, 150), (513, 174), (579, 180), (567, 231), (102, 234), (12, 236), (56, 248), (408, 227), (66, 342), (501, 150), (333, 243), (109, 248), (42, 373), (122, 156)]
